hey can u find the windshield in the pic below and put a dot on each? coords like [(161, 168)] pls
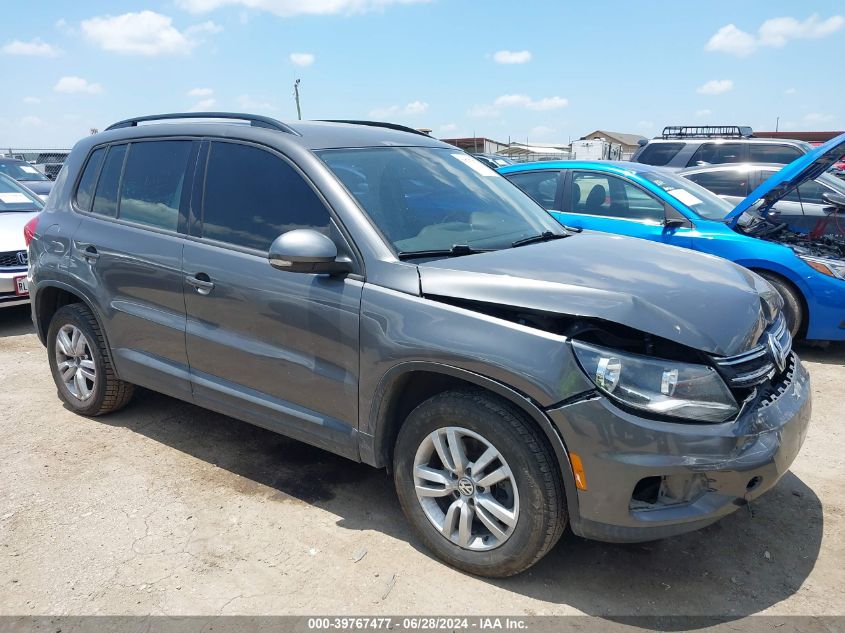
[(20, 170), (704, 202), (432, 199), (13, 197)]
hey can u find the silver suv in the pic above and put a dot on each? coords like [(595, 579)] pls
[(696, 146), (377, 293)]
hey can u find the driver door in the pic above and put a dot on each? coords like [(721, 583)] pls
[(277, 348)]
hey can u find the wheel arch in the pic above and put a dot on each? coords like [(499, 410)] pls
[(53, 295), (407, 385), (799, 291)]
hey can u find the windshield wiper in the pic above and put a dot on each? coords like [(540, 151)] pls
[(545, 236), (457, 250)]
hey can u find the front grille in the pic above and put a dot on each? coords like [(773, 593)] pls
[(768, 358), (13, 259)]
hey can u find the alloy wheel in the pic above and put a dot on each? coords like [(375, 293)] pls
[(75, 363), (466, 488)]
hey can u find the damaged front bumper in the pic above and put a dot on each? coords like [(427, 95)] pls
[(649, 479)]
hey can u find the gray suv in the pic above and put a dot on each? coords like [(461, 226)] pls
[(382, 295)]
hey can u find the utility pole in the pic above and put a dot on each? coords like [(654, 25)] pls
[(777, 124), (296, 96)]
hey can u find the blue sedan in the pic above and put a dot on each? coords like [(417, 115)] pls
[(652, 203)]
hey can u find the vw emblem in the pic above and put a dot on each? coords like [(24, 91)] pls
[(465, 486), (22, 258), (777, 352)]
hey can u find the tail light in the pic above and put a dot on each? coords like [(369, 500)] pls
[(29, 229)]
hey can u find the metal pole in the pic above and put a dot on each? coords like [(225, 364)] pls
[(777, 124), (296, 96)]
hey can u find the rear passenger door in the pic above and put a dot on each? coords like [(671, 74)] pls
[(127, 255), (277, 348)]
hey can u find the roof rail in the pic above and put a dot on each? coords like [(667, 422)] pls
[(707, 131), (253, 119), (391, 126)]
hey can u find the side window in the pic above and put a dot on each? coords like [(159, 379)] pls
[(105, 200), (252, 197), (659, 153), (605, 195), (810, 192), (85, 190), (718, 153), (723, 183), (540, 185), (152, 183), (772, 153)]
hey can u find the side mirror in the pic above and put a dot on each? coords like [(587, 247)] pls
[(674, 219), (674, 223), (834, 199), (307, 251)]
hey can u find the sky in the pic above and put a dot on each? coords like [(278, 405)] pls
[(538, 71)]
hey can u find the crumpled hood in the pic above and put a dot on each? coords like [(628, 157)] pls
[(697, 300), (807, 167)]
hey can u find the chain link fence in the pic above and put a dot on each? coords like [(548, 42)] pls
[(47, 161)]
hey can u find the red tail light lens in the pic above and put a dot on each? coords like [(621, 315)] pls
[(29, 229)]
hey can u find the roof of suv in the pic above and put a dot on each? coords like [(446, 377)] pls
[(309, 134)]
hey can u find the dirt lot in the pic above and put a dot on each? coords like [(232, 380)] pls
[(165, 508)]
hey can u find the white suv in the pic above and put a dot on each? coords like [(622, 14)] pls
[(18, 206)]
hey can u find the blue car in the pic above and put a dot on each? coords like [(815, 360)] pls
[(656, 204)]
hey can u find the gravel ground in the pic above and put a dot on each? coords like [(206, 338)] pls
[(167, 509)]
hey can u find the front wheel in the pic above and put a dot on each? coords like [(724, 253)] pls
[(793, 310), (479, 483)]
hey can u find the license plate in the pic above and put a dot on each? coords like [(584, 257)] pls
[(21, 287)]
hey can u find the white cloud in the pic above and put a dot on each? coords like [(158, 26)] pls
[(703, 113), (302, 59), (74, 85), (203, 105), (524, 101), (34, 48), (542, 131), (715, 87), (200, 92), (32, 121), (289, 8), (817, 117), (255, 105), (144, 33), (512, 57), (414, 107), (774, 33), (31, 100), (449, 127)]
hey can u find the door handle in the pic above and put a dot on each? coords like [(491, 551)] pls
[(201, 283), (88, 252)]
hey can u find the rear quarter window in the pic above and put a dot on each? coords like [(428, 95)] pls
[(105, 198), (85, 190), (659, 154)]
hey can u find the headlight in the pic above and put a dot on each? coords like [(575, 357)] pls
[(662, 387), (830, 267)]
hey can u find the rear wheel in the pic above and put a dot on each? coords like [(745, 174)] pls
[(479, 483), (80, 364), (793, 309)]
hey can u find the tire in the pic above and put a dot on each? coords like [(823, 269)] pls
[(793, 308), (480, 421), (101, 391)]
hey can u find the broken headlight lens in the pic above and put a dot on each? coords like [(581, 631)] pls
[(661, 387), (830, 267)]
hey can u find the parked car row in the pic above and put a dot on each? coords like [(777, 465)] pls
[(798, 248), (378, 293), (18, 205)]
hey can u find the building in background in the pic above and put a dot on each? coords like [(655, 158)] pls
[(477, 144), (628, 142)]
